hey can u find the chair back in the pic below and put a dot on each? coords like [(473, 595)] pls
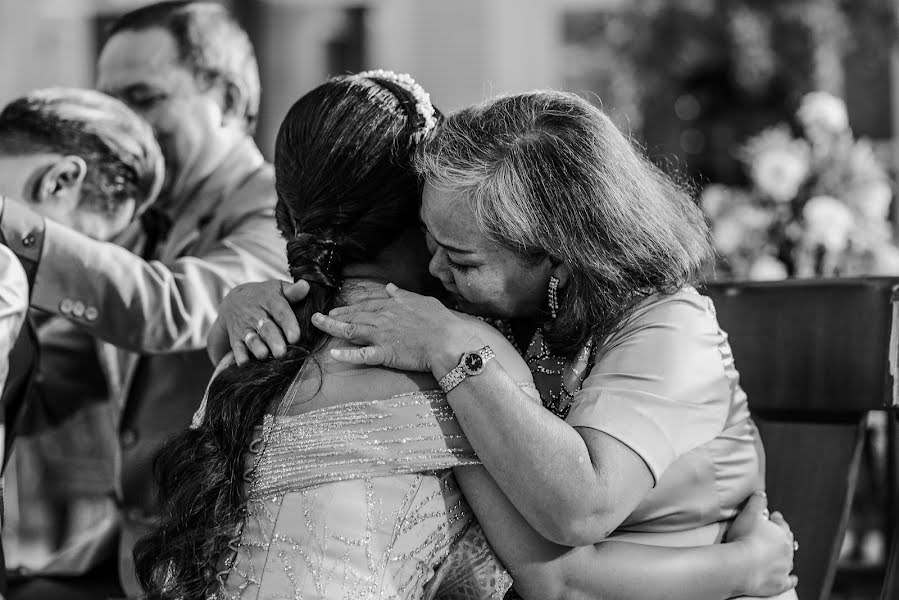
[(891, 577), (813, 359)]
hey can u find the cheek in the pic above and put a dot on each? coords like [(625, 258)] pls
[(509, 290), (481, 286), (162, 117), (181, 119)]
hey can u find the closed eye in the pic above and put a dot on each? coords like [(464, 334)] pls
[(456, 266)]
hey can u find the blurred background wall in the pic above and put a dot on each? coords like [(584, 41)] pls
[(690, 78), (460, 50)]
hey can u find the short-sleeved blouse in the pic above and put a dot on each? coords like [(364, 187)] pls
[(665, 385)]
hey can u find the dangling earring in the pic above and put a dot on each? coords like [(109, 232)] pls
[(553, 296)]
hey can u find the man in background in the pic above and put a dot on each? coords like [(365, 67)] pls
[(190, 70), (13, 308), (87, 161)]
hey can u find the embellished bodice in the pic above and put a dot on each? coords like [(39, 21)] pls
[(358, 501)]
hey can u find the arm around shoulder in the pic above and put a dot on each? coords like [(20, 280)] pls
[(148, 306)]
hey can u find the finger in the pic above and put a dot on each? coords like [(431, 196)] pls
[(367, 355), (358, 333), (778, 519), (295, 292), (217, 343), (256, 346), (241, 356), (272, 337), (240, 323), (364, 318), (757, 503), (281, 312), (372, 305), (794, 581), (395, 291)]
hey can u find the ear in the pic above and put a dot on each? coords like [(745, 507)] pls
[(561, 272), (234, 104), (61, 182)]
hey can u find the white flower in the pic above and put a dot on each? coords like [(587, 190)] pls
[(714, 199), (871, 199), (886, 260), (741, 226), (867, 235), (779, 172), (767, 268), (823, 112), (728, 233), (828, 223)]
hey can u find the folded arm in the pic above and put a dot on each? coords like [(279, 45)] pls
[(757, 563)]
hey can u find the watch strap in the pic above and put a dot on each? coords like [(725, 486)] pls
[(462, 371)]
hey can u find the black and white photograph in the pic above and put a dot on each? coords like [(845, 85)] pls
[(449, 299)]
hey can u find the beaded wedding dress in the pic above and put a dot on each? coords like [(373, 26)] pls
[(358, 500)]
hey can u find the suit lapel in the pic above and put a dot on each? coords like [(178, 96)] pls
[(201, 206)]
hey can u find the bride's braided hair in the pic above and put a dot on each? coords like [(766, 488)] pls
[(345, 191)]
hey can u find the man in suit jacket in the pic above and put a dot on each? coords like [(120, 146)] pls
[(16, 358), (84, 160), (189, 69)]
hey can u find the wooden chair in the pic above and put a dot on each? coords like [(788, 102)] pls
[(813, 359), (891, 578), (891, 575)]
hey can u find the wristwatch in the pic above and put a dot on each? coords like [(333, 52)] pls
[(472, 363)]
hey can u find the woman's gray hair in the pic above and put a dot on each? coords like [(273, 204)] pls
[(549, 174)]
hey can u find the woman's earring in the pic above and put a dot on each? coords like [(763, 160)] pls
[(553, 296)]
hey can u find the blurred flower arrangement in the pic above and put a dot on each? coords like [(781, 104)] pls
[(818, 205)]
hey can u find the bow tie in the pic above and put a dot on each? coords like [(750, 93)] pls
[(156, 225)]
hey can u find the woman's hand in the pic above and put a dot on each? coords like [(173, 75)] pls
[(406, 331), (769, 546), (257, 319)]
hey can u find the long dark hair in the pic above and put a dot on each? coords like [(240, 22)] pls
[(345, 191)]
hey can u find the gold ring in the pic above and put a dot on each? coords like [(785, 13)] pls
[(260, 323), (766, 513), (246, 338)]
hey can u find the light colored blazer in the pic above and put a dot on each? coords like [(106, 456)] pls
[(151, 318)]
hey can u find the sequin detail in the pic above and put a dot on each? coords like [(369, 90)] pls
[(357, 501)]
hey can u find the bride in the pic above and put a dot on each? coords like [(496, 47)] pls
[(308, 478)]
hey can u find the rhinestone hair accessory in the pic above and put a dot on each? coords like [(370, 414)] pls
[(423, 105)]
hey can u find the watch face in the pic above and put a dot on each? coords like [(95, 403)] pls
[(474, 363)]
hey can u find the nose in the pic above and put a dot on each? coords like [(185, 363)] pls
[(438, 267)]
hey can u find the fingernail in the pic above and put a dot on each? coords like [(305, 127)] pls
[(391, 287), (317, 317)]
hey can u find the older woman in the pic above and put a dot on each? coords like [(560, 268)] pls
[(540, 213)]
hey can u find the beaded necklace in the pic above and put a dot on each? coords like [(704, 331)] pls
[(558, 379)]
